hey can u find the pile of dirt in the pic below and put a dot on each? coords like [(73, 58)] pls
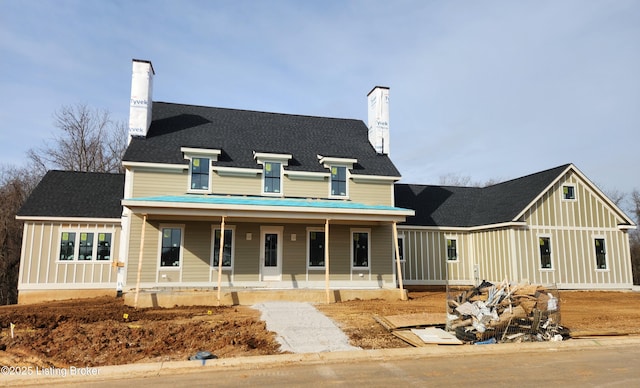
[(103, 331)]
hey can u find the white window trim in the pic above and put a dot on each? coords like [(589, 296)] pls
[(309, 230), (575, 195), (595, 255), (232, 228), (76, 248), (180, 255), (360, 230), (551, 248), (347, 179), (190, 174), (264, 157), (190, 153), (446, 247)]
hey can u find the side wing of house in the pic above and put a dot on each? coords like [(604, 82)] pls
[(71, 237), (575, 237), (569, 234)]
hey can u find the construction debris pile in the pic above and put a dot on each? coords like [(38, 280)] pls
[(492, 313)]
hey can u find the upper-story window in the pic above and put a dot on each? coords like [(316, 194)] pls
[(339, 177), (272, 171), (200, 160), (272, 177), (200, 173), (569, 192), (339, 181)]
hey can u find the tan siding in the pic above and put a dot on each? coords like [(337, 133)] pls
[(294, 253), (150, 252), (196, 257), (150, 183), (371, 193), (247, 253), (236, 185), (306, 188)]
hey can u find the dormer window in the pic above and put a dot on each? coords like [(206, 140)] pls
[(272, 171), (200, 174), (339, 179), (272, 177), (200, 168)]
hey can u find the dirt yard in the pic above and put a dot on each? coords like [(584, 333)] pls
[(102, 331)]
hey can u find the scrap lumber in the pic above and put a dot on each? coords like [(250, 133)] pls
[(394, 322), (505, 313)]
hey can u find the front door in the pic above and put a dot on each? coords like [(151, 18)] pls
[(271, 253)]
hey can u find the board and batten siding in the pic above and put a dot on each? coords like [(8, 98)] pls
[(41, 269), (425, 253), (513, 253)]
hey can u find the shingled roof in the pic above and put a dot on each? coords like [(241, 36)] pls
[(76, 194), (238, 133), (472, 206)]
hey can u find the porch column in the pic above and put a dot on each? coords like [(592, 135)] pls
[(326, 260), (144, 225), (220, 252), (398, 267)]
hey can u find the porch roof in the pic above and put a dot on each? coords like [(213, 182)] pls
[(255, 206)]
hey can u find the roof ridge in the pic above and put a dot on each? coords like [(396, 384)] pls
[(256, 111)]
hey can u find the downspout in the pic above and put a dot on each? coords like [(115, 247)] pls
[(144, 225), (326, 260), (403, 295), (220, 252)]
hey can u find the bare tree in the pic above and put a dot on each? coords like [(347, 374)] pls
[(15, 187), (451, 179), (89, 141)]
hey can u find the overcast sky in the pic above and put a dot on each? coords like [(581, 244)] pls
[(479, 89)]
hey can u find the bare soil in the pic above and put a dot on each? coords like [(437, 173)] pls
[(103, 331)]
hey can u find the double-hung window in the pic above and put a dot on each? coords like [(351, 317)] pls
[(545, 252), (339, 181), (452, 249), (601, 253), (227, 248), (272, 171), (170, 249), (315, 248), (360, 250), (200, 167), (272, 177)]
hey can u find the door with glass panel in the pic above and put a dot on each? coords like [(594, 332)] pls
[(271, 253)]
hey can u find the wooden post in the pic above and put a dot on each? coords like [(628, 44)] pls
[(403, 296), (144, 225), (220, 252), (326, 260)]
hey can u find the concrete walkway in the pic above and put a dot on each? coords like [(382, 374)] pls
[(301, 328)]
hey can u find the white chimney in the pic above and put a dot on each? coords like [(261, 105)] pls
[(378, 101), (140, 104)]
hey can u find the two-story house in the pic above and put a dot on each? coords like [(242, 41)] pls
[(216, 198), (227, 197)]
